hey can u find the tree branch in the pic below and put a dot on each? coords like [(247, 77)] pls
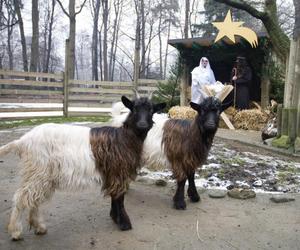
[(81, 7), (125, 68), (63, 9), (240, 4)]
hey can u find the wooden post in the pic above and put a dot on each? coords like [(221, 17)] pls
[(183, 86), (265, 90), (292, 123), (284, 121), (66, 79), (279, 121)]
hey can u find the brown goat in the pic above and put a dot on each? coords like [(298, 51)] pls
[(183, 145)]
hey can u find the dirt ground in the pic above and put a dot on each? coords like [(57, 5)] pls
[(81, 220)]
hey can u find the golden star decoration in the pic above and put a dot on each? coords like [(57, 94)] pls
[(229, 29)]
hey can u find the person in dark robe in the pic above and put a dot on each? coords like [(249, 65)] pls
[(242, 76)]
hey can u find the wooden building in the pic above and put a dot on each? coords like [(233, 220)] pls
[(222, 56)]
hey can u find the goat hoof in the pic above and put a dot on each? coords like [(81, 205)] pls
[(40, 231), (194, 198), (125, 226), (193, 195), (180, 205), (16, 236)]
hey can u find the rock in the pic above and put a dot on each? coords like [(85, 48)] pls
[(217, 193), (240, 193), (160, 183), (271, 181), (257, 183), (281, 198), (145, 180), (229, 187), (281, 189)]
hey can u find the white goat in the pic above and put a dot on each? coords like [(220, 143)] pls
[(53, 158), (74, 157)]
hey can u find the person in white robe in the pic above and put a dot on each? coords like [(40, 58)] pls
[(201, 75)]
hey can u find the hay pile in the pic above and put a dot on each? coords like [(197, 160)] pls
[(250, 119), (178, 112)]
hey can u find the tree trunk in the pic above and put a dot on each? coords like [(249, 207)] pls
[(100, 55), (160, 46), (166, 53), (116, 38), (112, 48), (72, 33), (50, 37), (10, 27), (105, 30), (296, 37), (186, 19), (143, 40), (137, 45), (72, 37), (34, 58), (23, 40), (149, 48), (96, 8)]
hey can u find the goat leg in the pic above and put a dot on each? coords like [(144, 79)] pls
[(113, 210), (192, 190), (119, 214), (178, 198)]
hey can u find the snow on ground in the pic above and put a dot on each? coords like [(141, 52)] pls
[(228, 168), (47, 113)]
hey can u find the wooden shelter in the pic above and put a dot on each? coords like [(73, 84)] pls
[(222, 56)]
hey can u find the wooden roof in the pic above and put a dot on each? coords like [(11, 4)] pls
[(205, 41)]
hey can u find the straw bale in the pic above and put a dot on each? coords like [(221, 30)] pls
[(184, 112), (250, 119)]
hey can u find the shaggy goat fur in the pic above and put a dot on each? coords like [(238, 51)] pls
[(74, 157), (182, 145)]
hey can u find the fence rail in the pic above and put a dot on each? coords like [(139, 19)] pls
[(18, 87)]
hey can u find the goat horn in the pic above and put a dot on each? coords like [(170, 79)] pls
[(136, 93)]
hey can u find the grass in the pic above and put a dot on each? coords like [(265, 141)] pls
[(36, 121), (230, 161)]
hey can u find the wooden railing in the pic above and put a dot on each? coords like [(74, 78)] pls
[(32, 87)]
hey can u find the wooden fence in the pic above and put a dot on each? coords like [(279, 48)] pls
[(32, 87)]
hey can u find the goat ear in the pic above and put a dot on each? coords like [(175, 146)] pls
[(195, 106), (127, 103), (159, 106)]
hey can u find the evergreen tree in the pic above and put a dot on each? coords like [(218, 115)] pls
[(216, 12), (169, 92)]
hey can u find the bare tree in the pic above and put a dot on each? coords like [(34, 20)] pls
[(105, 16), (137, 47), (47, 31), (72, 32), (10, 20), (186, 18), (95, 6), (50, 36), (17, 5), (34, 58), (118, 7)]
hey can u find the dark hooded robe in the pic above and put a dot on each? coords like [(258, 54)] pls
[(242, 85)]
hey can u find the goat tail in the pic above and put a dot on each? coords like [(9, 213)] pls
[(11, 147)]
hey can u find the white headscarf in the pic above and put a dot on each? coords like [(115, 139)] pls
[(201, 76)]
